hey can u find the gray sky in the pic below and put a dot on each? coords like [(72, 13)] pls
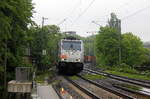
[(79, 20)]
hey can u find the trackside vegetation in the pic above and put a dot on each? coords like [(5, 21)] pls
[(110, 40), (132, 51), (94, 77), (15, 17)]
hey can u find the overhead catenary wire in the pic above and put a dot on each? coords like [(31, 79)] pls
[(85, 10), (91, 3), (126, 4), (68, 15), (120, 6), (133, 14), (62, 21), (79, 14), (75, 7)]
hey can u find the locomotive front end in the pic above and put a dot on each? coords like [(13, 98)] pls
[(71, 56)]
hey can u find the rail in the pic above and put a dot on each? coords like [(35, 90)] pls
[(114, 91), (141, 92), (122, 78), (60, 97), (86, 91)]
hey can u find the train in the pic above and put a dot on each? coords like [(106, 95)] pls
[(89, 59), (71, 56)]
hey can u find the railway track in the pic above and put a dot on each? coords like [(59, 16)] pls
[(107, 88), (145, 93), (85, 90), (60, 97), (121, 78)]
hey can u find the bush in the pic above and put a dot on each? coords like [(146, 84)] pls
[(147, 73), (127, 69)]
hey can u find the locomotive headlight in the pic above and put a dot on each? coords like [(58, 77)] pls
[(71, 53), (63, 59), (78, 60)]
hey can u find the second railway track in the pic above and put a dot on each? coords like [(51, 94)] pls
[(122, 78), (107, 88), (93, 89)]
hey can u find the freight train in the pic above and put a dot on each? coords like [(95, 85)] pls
[(71, 56)]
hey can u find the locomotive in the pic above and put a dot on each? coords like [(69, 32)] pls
[(71, 56)]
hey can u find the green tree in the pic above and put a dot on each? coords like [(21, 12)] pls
[(15, 16), (133, 52), (107, 46), (147, 58), (54, 37), (44, 38)]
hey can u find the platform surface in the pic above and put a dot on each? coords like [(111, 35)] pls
[(46, 92)]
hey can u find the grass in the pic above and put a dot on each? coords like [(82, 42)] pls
[(40, 77), (130, 75), (127, 71), (56, 82), (89, 76), (131, 87), (94, 77), (74, 78)]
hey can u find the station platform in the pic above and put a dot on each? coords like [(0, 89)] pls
[(46, 92)]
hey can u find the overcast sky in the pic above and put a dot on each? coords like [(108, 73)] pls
[(79, 14)]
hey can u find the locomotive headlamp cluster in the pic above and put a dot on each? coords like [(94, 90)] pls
[(78, 60), (63, 57)]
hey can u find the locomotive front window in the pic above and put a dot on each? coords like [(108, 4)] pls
[(71, 45)]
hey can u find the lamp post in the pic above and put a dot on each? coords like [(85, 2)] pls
[(43, 20), (95, 32), (119, 29)]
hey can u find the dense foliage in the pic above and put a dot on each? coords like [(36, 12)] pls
[(114, 48), (107, 46), (15, 16), (133, 52), (44, 39)]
